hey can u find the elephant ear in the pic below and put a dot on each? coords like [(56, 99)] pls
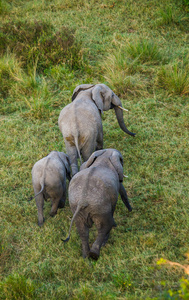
[(79, 88), (97, 96), (117, 161), (66, 161), (92, 158)]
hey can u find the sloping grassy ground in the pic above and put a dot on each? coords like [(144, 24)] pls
[(139, 49)]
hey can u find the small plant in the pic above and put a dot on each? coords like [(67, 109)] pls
[(174, 78), (183, 291), (123, 281), (85, 291), (16, 286)]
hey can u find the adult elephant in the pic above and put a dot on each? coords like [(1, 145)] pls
[(80, 121)]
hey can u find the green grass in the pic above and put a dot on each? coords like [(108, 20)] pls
[(139, 49)]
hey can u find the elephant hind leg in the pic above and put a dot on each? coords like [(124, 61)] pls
[(57, 196), (104, 228), (62, 200), (61, 203), (40, 204), (55, 204), (83, 231), (89, 147), (72, 152), (99, 144), (54, 208)]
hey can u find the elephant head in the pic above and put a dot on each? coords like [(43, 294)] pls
[(104, 99), (114, 157)]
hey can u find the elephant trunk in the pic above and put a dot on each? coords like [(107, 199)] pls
[(124, 197), (119, 116)]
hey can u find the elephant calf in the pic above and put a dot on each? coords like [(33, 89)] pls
[(49, 181), (93, 194)]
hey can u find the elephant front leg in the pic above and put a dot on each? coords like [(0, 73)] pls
[(83, 231), (106, 239)]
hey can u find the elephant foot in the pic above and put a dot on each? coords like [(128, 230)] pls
[(52, 213), (94, 255), (114, 224), (40, 222), (85, 255), (130, 208), (61, 204), (85, 250)]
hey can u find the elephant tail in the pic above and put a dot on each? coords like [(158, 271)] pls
[(79, 206), (42, 188), (77, 147)]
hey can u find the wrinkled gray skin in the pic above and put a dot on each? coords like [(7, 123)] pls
[(93, 194), (49, 181), (80, 121)]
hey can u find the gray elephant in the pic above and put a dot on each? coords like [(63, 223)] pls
[(49, 181), (80, 121), (93, 194)]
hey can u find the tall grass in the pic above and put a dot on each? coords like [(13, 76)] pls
[(16, 84), (38, 43), (12, 76)]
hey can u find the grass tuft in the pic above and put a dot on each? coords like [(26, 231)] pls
[(144, 51), (15, 84), (39, 102), (174, 78), (126, 68), (11, 75), (171, 15), (120, 72), (166, 15)]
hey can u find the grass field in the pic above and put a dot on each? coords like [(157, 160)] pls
[(138, 48)]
